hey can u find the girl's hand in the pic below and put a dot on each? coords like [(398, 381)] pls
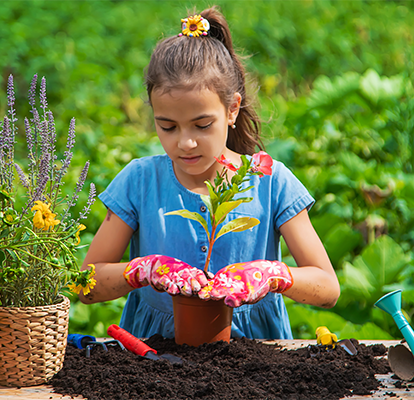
[(248, 282), (166, 274)]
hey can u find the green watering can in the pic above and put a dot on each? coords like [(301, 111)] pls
[(400, 358)]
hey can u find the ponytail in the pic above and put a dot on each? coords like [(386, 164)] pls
[(208, 62)]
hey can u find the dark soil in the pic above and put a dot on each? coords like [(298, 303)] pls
[(243, 369)]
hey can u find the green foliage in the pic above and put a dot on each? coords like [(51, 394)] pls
[(37, 250), (355, 156), (334, 79)]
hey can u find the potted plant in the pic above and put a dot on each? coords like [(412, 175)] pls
[(38, 240), (198, 321)]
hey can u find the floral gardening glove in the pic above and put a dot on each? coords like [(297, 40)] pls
[(247, 282), (165, 273)]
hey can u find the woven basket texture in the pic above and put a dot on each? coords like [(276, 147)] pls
[(32, 343)]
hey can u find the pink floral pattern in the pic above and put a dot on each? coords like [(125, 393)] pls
[(164, 273), (247, 282)]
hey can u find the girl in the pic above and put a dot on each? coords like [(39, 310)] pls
[(196, 87)]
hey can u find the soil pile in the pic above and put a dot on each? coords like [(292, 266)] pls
[(243, 369)]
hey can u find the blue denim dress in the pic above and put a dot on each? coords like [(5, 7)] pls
[(147, 188)]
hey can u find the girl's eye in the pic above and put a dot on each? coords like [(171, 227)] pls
[(167, 129), (204, 126)]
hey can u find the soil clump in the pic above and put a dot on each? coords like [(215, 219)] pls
[(241, 369)]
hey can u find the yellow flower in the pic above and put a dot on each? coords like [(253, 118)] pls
[(163, 269), (74, 288), (250, 287), (44, 218), (234, 268), (195, 26), (80, 228), (87, 280)]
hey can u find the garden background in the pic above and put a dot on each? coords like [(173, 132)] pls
[(334, 80)]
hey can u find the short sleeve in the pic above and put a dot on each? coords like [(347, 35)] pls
[(290, 196), (119, 196)]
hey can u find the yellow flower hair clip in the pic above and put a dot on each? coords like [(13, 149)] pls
[(194, 26)]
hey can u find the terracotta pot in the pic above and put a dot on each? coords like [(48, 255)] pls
[(198, 321), (32, 343)]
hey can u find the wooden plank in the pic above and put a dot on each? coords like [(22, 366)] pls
[(44, 392)]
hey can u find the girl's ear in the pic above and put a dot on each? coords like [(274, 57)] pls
[(234, 108)]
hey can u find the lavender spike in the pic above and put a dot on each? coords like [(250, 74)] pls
[(79, 186), (42, 178), (52, 136), (43, 99), (91, 200), (36, 125), (11, 99), (82, 177), (29, 136), (69, 145), (7, 153), (32, 92), (22, 176)]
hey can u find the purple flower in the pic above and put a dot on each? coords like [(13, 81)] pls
[(7, 154), (32, 92), (69, 145), (91, 200), (79, 186), (42, 178), (22, 176), (43, 99), (29, 136), (82, 177), (11, 98), (52, 135)]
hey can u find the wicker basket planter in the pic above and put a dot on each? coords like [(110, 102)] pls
[(32, 343)]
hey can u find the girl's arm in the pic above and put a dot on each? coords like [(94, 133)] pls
[(315, 281), (106, 250)]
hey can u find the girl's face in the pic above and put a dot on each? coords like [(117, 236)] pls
[(192, 127)]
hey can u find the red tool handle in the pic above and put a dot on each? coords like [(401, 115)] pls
[(131, 342)]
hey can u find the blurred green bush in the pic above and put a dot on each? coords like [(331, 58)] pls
[(334, 80)]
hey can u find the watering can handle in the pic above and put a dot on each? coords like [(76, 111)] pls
[(131, 342)]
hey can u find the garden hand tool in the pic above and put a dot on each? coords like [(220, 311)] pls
[(86, 341), (80, 341), (325, 338), (164, 273), (248, 282), (137, 346), (400, 358)]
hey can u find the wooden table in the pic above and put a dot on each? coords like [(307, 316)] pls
[(44, 392)]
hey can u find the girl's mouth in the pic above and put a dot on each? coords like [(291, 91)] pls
[(190, 159)]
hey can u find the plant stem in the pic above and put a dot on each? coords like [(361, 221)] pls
[(210, 246)]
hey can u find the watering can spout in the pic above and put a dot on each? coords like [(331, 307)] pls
[(391, 303)]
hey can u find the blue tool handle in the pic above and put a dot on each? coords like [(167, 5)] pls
[(80, 341)]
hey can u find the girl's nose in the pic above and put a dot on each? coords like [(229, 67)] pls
[(186, 143)]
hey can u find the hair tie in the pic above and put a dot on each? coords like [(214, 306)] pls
[(194, 26)]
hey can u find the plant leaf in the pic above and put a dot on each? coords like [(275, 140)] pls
[(191, 215), (238, 225), (213, 197), (224, 209), (207, 201)]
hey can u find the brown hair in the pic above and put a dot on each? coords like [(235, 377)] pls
[(208, 62)]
